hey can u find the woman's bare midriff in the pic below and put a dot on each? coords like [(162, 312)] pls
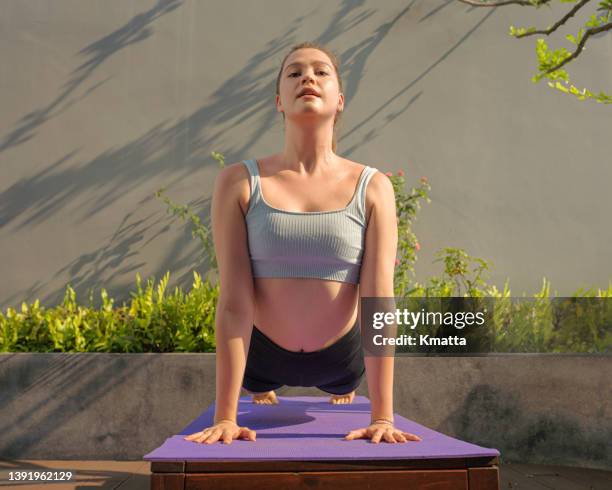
[(302, 314)]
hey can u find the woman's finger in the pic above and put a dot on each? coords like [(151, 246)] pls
[(388, 435), (192, 436), (204, 434), (246, 433), (399, 436), (355, 434), (227, 437), (377, 435), (195, 435), (212, 437)]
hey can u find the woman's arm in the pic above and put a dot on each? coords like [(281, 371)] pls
[(235, 307), (376, 280), (233, 336)]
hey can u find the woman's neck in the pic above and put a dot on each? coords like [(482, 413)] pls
[(308, 151)]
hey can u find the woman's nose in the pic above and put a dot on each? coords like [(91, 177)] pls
[(306, 77)]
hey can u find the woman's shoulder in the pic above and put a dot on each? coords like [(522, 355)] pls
[(358, 169), (234, 174), (235, 180), (377, 186), (359, 166)]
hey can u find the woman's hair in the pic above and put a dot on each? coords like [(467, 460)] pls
[(335, 62)]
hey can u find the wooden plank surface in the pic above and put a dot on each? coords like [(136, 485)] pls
[(483, 478), (167, 481), (592, 479), (168, 466), (330, 465), (515, 480), (559, 477), (340, 480)]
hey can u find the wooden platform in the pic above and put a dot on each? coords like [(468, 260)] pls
[(441, 474), (301, 445)]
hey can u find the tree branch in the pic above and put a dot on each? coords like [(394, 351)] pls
[(501, 3), (520, 33), (578, 50), (557, 24)]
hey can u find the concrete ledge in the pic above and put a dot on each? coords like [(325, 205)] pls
[(534, 408)]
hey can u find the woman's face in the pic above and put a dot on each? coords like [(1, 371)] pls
[(309, 69)]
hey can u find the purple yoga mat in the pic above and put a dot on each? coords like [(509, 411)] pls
[(311, 428)]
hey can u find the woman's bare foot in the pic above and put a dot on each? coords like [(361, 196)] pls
[(267, 398), (340, 399)]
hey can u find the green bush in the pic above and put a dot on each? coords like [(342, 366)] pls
[(154, 321)]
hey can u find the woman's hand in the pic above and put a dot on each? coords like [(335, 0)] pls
[(224, 430), (381, 430)]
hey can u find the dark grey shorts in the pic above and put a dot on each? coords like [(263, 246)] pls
[(337, 369)]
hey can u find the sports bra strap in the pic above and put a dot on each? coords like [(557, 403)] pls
[(368, 172), (254, 181)]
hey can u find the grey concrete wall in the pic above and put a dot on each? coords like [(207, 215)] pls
[(102, 103), (533, 408)]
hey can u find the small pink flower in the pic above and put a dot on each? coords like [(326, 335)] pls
[(417, 247), (423, 179), (397, 262), (388, 174), (400, 173)]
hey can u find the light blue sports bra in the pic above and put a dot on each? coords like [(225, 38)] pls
[(316, 244)]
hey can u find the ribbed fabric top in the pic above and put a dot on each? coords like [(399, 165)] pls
[(316, 244)]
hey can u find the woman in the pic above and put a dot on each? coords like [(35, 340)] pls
[(294, 259)]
